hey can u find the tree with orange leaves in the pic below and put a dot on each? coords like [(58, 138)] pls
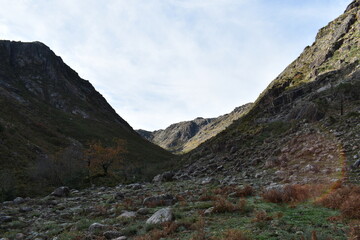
[(100, 158)]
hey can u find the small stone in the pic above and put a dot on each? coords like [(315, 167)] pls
[(210, 180), (120, 238), (19, 236), (119, 196), (19, 200), (127, 214), (25, 209), (112, 234), (209, 211), (5, 219), (143, 211), (96, 226), (161, 216)]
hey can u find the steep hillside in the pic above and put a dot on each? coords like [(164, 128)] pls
[(185, 136), (48, 115), (305, 126)]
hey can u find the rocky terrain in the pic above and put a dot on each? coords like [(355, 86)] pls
[(185, 136), (48, 116), (203, 208)]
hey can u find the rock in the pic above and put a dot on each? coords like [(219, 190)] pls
[(160, 200), (5, 219), (96, 226), (25, 209), (120, 238), (19, 200), (119, 196), (134, 186), (143, 211), (161, 216), (127, 214), (209, 211), (19, 236), (112, 234), (61, 192), (164, 177), (356, 164), (210, 180)]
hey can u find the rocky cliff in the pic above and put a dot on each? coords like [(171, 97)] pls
[(305, 126), (184, 136), (48, 116)]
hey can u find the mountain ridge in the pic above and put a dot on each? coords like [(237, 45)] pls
[(313, 98), (186, 135), (48, 112)]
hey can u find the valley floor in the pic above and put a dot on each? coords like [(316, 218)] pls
[(197, 210)]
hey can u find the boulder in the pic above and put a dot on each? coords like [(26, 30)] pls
[(96, 226), (164, 177), (161, 216), (356, 164), (127, 214), (19, 200), (143, 211), (61, 192), (160, 200), (210, 180), (112, 234), (119, 196)]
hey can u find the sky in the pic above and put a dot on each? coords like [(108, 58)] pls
[(159, 62)]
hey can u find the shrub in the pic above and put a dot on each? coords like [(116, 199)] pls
[(221, 205), (344, 198), (167, 230), (262, 216), (242, 192), (235, 234), (354, 232), (287, 194), (199, 227)]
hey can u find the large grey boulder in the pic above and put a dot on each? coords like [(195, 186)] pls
[(164, 177), (61, 192), (161, 216), (160, 200)]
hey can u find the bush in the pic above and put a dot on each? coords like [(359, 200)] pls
[(262, 216), (289, 193), (344, 198), (242, 192), (235, 234), (221, 205)]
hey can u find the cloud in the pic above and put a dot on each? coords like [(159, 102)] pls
[(158, 62)]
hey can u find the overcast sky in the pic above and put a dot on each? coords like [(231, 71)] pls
[(158, 62)]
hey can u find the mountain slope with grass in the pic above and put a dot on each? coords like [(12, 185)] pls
[(185, 136), (49, 115), (304, 127)]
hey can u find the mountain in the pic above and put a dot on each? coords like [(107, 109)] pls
[(304, 128), (184, 136), (49, 115)]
